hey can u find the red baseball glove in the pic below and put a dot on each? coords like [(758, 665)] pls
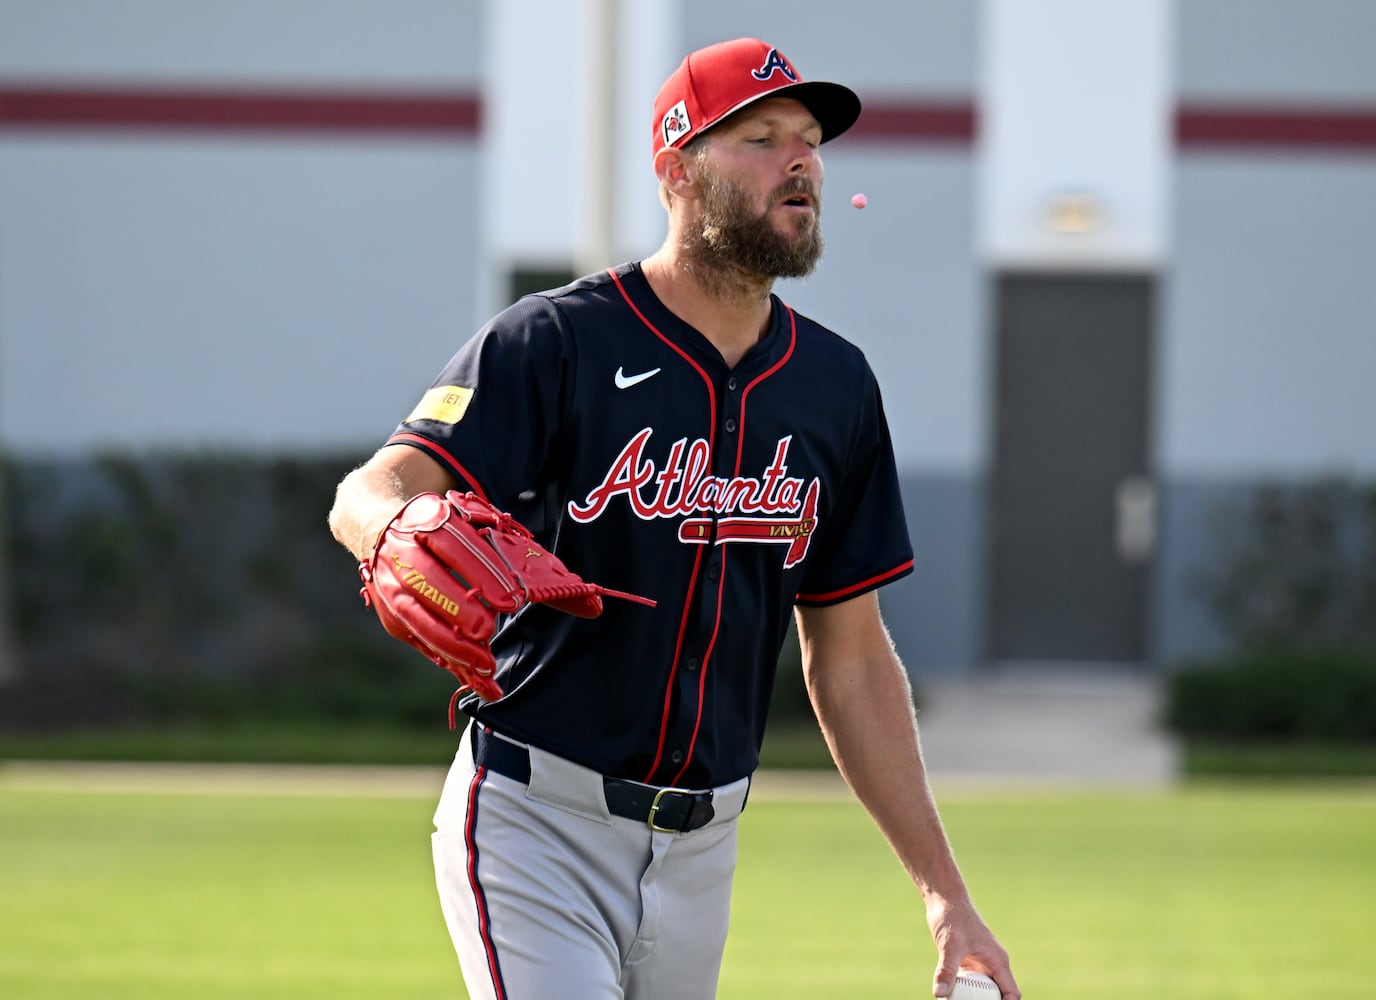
[(447, 566)]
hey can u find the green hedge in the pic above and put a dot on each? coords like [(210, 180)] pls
[(1294, 565), (202, 586), (1277, 694), (1292, 585)]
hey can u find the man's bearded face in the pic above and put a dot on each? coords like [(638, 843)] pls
[(735, 234)]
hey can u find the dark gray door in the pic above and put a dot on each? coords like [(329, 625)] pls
[(1072, 507)]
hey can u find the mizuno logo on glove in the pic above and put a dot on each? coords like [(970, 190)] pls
[(417, 582)]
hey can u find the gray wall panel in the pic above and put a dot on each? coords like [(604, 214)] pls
[(1294, 50), (424, 42), (935, 613), (899, 279), (1182, 623), (1269, 344), (876, 45), (246, 294)]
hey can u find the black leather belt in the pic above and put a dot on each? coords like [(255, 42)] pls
[(667, 810)]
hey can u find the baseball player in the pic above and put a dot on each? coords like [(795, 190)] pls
[(671, 429)]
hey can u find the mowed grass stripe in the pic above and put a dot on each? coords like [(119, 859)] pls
[(1219, 892)]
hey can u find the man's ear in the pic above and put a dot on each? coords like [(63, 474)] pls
[(677, 172)]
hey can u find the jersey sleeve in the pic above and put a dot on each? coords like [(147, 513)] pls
[(864, 539), (493, 414)]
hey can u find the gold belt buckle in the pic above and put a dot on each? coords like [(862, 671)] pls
[(654, 809)]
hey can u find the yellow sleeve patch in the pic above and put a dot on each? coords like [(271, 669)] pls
[(444, 403)]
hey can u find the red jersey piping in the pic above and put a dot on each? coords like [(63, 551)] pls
[(470, 836), (721, 582), (856, 588), (697, 562), (425, 444)]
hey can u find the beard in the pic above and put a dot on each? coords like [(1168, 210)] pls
[(734, 237)]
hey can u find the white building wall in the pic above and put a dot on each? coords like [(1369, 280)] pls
[(1075, 144), (1303, 54), (1270, 344), (180, 289), (1270, 310), (398, 44), (537, 146)]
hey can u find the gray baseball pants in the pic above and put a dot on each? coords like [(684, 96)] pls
[(549, 896)]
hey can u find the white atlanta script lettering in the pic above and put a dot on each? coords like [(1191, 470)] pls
[(684, 486)]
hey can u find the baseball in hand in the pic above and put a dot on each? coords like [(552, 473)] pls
[(859, 200), (975, 986)]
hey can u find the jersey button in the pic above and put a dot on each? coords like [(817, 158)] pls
[(730, 425), (731, 384), (676, 756), (692, 663), (712, 571)]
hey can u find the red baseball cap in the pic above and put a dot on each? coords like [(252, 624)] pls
[(716, 81)]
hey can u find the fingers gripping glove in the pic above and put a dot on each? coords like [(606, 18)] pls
[(447, 566)]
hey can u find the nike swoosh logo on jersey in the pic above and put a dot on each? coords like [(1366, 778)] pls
[(624, 381)]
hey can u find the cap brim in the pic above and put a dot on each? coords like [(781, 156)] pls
[(835, 107)]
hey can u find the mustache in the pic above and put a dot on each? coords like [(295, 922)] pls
[(797, 186)]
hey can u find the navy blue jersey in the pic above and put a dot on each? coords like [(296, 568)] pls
[(617, 434)]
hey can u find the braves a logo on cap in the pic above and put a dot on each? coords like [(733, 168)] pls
[(676, 123), (774, 62)]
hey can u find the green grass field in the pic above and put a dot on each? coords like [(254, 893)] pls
[(1221, 891)]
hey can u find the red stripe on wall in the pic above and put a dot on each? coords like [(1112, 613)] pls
[(122, 107), (915, 121), (454, 114), (1231, 126)]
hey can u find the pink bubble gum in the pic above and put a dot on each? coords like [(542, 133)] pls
[(859, 200)]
